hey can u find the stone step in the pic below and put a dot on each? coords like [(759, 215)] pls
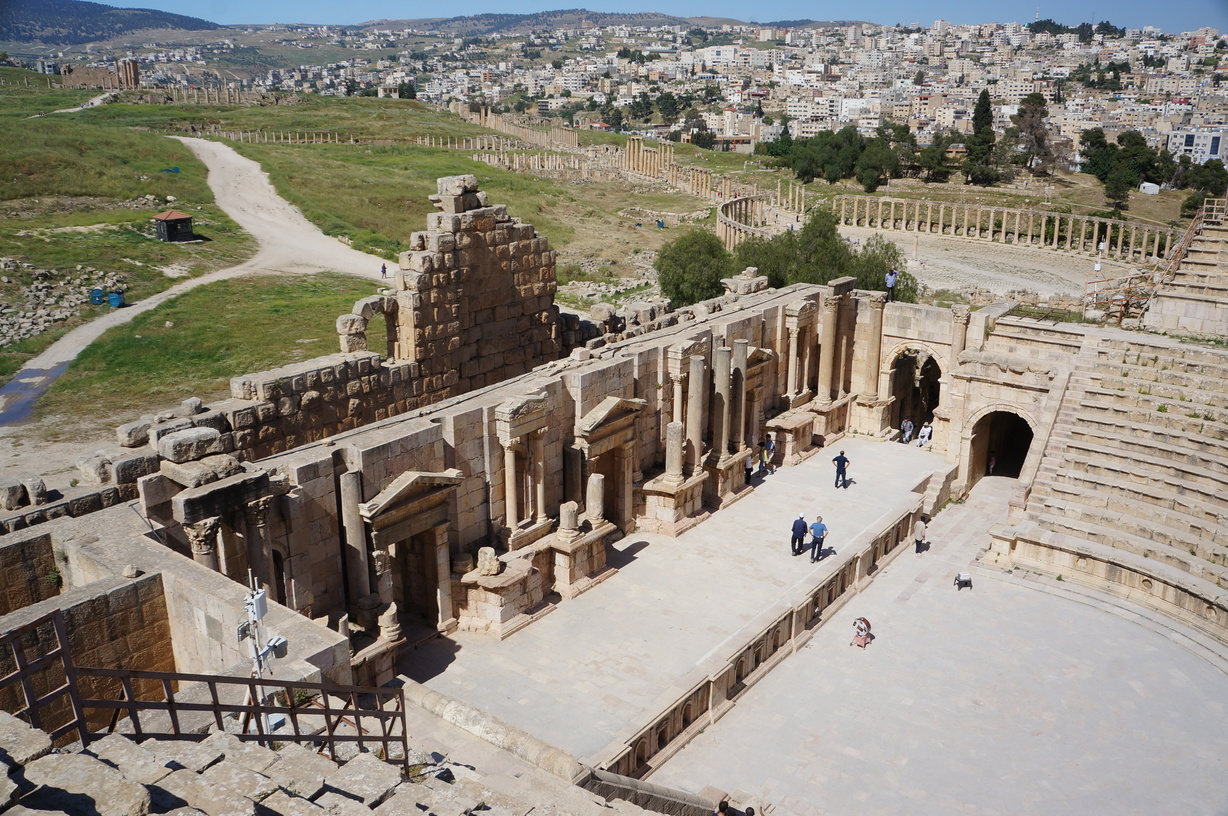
[(131, 760), (1178, 522), (185, 788), (300, 770), (243, 781), (281, 803), (1149, 477), (367, 778), (80, 783)]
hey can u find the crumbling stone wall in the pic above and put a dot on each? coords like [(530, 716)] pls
[(475, 299), (28, 574)]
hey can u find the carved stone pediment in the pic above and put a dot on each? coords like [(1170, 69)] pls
[(521, 415), (608, 415), (410, 488), (801, 309)]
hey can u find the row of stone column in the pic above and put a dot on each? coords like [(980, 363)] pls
[(554, 137), (1074, 233), (207, 539), (284, 136), (791, 199), (495, 143), (733, 408), (648, 161), (221, 96), (740, 219)]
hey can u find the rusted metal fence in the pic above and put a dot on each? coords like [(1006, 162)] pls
[(175, 705)]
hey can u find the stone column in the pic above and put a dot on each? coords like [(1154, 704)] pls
[(510, 491), (741, 351), (357, 564), (675, 444), (960, 315), (594, 501), (443, 584), (538, 442), (677, 380), (827, 350), (697, 384), (720, 403), (256, 516), (202, 536), (793, 355), (875, 348)]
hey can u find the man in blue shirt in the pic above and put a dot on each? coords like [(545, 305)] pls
[(818, 531), (799, 535), (892, 277), (842, 465)]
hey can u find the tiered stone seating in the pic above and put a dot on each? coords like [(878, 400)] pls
[(1195, 301), (223, 776), (1035, 339), (1138, 459)]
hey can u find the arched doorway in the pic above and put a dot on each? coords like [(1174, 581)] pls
[(1000, 443), (915, 387)]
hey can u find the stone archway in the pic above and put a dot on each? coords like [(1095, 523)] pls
[(916, 388), (999, 445)]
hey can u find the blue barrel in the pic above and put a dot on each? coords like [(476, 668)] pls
[(97, 296), (116, 299), (660, 224)]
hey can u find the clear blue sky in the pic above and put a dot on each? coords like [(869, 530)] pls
[(1171, 17)]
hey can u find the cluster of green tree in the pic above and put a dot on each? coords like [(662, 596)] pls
[(637, 56), (72, 22), (691, 267), (1105, 77), (696, 37), (1084, 30), (1121, 167)]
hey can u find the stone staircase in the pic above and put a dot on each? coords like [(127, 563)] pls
[(1195, 301), (224, 776), (1138, 457), (1038, 340)]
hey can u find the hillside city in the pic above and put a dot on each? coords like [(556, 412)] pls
[(732, 87)]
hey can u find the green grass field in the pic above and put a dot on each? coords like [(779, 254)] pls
[(194, 344)]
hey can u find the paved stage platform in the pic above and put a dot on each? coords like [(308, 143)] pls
[(597, 663), (1019, 696)]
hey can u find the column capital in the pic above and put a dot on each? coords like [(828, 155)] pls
[(961, 314), (832, 304), (878, 300), (202, 535)]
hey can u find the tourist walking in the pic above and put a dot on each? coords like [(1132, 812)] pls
[(925, 435), (892, 278), (798, 544), (383, 270), (861, 633), (918, 533), (842, 470), (770, 450), (818, 532), (906, 429)]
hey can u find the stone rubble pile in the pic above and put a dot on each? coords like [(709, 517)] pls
[(51, 297)]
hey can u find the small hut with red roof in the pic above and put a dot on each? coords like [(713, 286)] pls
[(173, 225)]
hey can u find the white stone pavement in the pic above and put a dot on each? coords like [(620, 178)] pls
[(597, 663), (1020, 696)]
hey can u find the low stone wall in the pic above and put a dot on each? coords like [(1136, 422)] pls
[(111, 624), (28, 574)]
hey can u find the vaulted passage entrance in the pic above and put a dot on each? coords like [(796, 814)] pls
[(915, 387), (1000, 443)]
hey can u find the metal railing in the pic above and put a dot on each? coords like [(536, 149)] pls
[(61, 698), (1131, 293)]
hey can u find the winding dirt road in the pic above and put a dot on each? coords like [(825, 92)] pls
[(288, 243)]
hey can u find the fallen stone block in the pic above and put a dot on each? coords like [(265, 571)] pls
[(202, 471), (130, 468), (95, 469), (189, 444), (36, 490), (133, 434), (12, 494)]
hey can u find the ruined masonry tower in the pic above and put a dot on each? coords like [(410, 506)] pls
[(475, 296)]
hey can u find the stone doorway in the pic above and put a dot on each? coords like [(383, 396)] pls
[(1000, 437), (415, 576), (915, 387)]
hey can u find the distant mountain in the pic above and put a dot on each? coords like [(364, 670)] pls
[(72, 22), (480, 25)]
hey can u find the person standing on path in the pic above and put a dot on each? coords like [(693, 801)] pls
[(906, 429), (925, 435), (842, 466), (892, 278), (818, 532), (383, 270), (798, 544), (918, 533), (770, 450)]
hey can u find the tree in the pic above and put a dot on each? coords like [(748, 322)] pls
[(918, 78), (690, 268), (704, 138), (667, 104), (1033, 134), (1118, 185), (876, 163), (556, 64), (406, 90), (934, 161), (978, 163)]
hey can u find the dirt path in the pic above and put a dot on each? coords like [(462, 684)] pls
[(288, 243), (949, 262)]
